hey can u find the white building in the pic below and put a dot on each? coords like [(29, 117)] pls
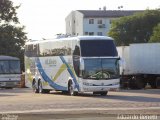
[(93, 22)]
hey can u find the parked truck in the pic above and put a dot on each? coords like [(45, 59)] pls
[(140, 65)]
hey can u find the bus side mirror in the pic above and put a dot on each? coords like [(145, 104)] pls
[(121, 62), (81, 64)]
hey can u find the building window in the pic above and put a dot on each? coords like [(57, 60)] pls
[(99, 33), (86, 33), (110, 21), (99, 21), (91, 21), (91, 33)]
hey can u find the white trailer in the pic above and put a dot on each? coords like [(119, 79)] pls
[(141, 65)]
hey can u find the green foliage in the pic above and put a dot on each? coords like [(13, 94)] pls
[(11, 39), (8, 11), (156, 34), (136, 28), (12, 35)]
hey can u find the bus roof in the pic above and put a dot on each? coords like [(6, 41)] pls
[(94, 38), (72, 38), (82, 37), (2, 57)]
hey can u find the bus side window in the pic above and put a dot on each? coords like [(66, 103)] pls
[(76, 59), (36, 50), (32, 50), (76, 50), (28, 50)]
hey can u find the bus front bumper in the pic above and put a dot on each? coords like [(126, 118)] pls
[(100, 88), (100, 85), (10, 84)]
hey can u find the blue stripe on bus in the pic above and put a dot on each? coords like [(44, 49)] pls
[(47, 79), (70, 72)]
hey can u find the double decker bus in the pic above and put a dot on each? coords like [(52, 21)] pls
[(10, 72), (72, 64)]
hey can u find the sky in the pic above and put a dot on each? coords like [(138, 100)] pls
[(46, 18)]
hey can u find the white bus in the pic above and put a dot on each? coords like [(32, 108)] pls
[(10, 72), (73, 64)]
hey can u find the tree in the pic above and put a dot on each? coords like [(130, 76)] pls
[(156, 34), (8, 11), (12, 35), (136, 28)]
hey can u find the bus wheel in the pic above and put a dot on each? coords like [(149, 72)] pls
[(34, 86), (71, 89), (40, 87)]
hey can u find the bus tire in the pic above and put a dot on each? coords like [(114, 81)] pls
[(34, 86), (71, 89), (40, 87)]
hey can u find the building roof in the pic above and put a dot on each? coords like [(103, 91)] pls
[(108, 13)]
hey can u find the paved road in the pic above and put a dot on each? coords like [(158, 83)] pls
[(27, 105)]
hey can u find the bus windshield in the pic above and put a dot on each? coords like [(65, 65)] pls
[(9, 67), (101, 68), (97, 48)]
